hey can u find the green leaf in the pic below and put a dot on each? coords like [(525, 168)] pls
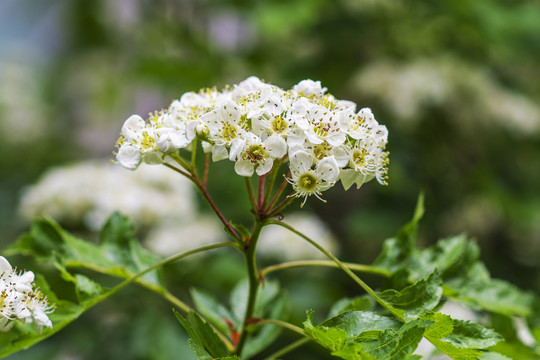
[(489, 355), (331, 338), (461, 340), (476, 289), (398, 249), (203, 338), (386, 345), (265, 295), (119, 254), (265, 335), (212, 310), (472, 335), (416, 299), (356, 322), (360, 303)]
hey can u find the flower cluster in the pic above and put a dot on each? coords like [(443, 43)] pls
[(256, 124), (19, 300), (86, 193)]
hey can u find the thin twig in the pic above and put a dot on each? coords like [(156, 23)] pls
[(325, 263)]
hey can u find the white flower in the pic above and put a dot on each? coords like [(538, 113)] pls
[(254, 123), (318, 123), (310, 88), (251, 151), (309, 179), (19, 300)]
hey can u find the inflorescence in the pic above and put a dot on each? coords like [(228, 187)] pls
[(19, 300), (256, 124)]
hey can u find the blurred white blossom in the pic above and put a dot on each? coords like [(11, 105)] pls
[(178, 236), (90, 191)]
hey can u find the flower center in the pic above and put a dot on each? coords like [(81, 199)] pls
[(279, 125), (255, 153), (229, 131), (307, 183), (359, 157)]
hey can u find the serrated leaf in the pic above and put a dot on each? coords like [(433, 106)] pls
[(386, 345), (471, 335), (461, 340), (356, 322), (360, 303), (202, 335), (416, 299), (331, 338), (119, 253), (498, 296)]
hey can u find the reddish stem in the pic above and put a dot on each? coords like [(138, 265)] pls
[(260, 194), (206, 166), (278, 194)]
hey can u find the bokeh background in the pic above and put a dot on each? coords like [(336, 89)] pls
[(455, 82)]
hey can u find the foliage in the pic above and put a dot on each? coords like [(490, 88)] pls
[(405, 310)]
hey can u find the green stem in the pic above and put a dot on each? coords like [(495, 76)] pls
[(189, 176), (283, 324), (327, 263), (182, 162), (287, 349), (342, 266), (194, 155), (254, 282), (166, 293)]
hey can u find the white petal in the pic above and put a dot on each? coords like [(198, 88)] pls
[(164, 142), (219, 152), (336, 139), (342, 158), (328, 169), (237, 146), (276, 145), (301, 161), (4, 265), (313, 138), (179, 139), (264, 166), (243, 168), (132, 127), (129, 156)]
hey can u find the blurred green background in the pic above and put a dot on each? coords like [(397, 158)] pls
[(455, 82)]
